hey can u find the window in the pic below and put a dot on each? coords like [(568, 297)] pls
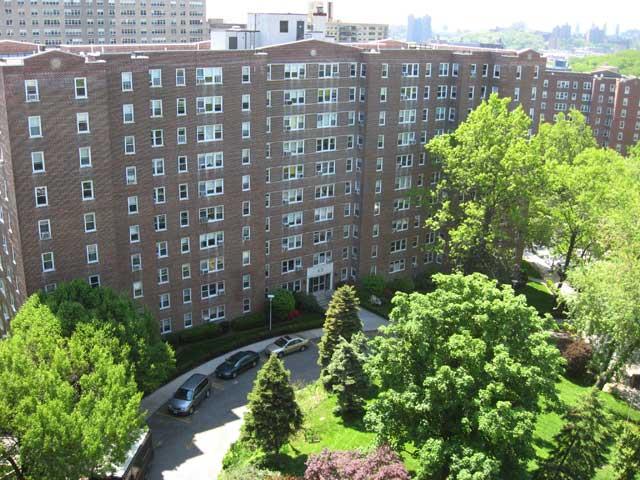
[(186, 271), (294, 97), (128, 113), (496, 71), (327, 95), (134, 233), (246, 102), (131, 177), (209, 76), (183, 164), (132, 205), (181, 106), (164, 304), (443, 70), (385, 70), (136, 262), (211, 240), (157, 138), (324, 191), (410, 69), (186, 295), (326, 167), (246, 129), (90, 222), (328, 70), (323, 214), (126, 79), (155, 78), (82, 122), (209, 133), (246, 74), (210, 160), (48, 264), (211, 214), (81, 88), (246, 156), (155, 107), (402, 182), (408, 93), (35, 127), (87, 190), (294, 70), (129, 145), (206, 105), (383, 94), (37, 162), (31, 91), (44, 229), (157, 167), (326, 144), (160, 222), (246, 183), (246, 208), (284, 26), (293, 172), (137, 290), (293, 219), (188, 320), (210, 188), (293, 122), (213, 314), (180, 77), (92, 253), (162, 249), (293, 148), (211, 290)]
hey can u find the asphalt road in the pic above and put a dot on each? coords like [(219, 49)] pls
[(192, 448)]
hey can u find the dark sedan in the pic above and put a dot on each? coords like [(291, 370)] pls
[(237, 363)]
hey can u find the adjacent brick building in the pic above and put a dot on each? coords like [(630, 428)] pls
[(198, 180), (57, 22)]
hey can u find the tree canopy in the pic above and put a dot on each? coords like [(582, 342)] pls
[(461, 372), (77, 303), (628, 61), (69, 406), (488, 179)]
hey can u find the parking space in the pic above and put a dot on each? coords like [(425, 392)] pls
[(192, 448)]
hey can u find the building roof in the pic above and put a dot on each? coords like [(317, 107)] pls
[(136, 47), (12, 47)]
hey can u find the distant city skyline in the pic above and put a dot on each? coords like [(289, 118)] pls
[(476, 15)]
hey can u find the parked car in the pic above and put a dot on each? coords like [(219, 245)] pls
[(190, 395), (286, 345), (237, 363)]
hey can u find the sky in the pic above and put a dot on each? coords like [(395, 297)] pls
[(457, 14)]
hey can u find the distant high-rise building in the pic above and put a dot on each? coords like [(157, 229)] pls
[(560, 35), (419, 29), (597, 35)]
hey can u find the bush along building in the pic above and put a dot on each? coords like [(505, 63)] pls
[(197, 180)]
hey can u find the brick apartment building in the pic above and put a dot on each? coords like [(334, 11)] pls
[(58, 22), (197, 180)]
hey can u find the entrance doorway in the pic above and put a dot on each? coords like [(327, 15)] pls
[(319, 284)]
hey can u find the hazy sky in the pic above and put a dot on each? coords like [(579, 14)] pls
[(460, 14)]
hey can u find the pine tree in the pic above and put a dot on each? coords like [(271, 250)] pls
[(273, 414), (581, 444), (341, 320), (345, 377), (626, 457)]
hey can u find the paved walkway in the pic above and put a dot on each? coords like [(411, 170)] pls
[(544, 263), (157, 399)]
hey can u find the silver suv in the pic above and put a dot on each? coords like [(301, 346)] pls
[(190, 394)]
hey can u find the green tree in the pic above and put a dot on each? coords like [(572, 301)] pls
[(626, 454), (580, 185), (488, 179), (77, 303), (283, 303), (628, 61), (341, 320), (606, 308), (273, 414), (345, 377), (581, 445), (69, 406), (461, 371)]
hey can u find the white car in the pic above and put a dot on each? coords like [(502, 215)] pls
[(286, 345)]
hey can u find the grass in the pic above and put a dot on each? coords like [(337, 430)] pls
[(193, 354), (538, 296), (322, 429), (530, 270)]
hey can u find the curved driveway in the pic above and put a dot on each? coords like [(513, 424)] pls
[(192, 448)]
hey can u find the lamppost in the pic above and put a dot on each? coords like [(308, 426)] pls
[(270, 297)]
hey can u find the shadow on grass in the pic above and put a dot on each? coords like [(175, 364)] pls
[(288, 464), (542, 443)]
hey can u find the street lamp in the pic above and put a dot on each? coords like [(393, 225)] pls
[(270, 297)]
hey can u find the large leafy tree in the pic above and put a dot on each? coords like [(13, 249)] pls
[(581, 184), (581, 445), (606, 308), (77, 303), (461, 372), (69, 406), (626, 457), (488, 179), (273, 414), (341, 320)]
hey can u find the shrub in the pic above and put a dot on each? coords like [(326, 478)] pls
[(341, 320), (373, 285), (282, 304), (401, 284), (307, 302), (250, 321), (248, 472), (381, 464), (196, 334), (423, 283), (578, 355)]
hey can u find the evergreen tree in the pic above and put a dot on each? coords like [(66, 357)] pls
[(341, 320), (581, 445), (345, 377), (273, 414), (626, 457)]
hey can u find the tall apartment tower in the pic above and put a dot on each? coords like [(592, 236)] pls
[(419, 29), (196, 181), (66, 22)]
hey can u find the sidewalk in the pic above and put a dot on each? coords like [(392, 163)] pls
[(157, 399), (543, 261)]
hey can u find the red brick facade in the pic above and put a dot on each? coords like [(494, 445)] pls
[(317, 192)]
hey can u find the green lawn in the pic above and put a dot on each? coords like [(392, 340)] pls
[(538, 296), (322, 429)]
